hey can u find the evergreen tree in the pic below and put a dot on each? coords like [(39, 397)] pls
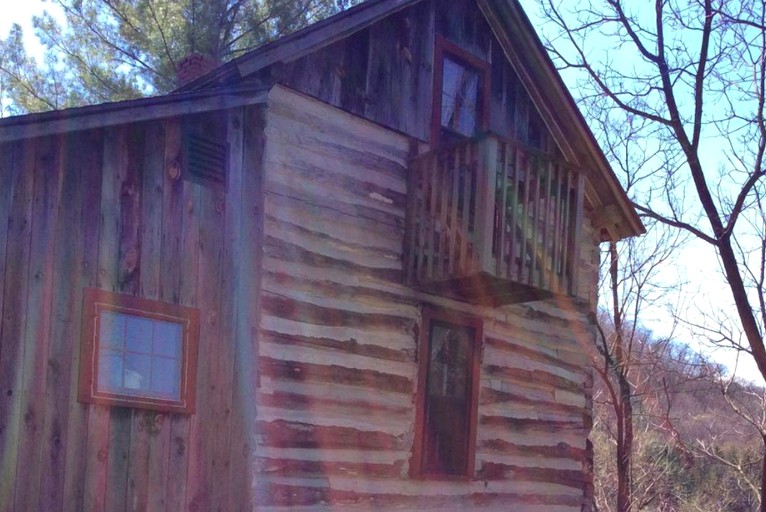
[(109, 50)]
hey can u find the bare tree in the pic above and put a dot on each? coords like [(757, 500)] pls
[(623, 353), (686, 78)]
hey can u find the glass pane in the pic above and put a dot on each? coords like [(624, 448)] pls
[(111, 332), (449, 367), (109, 370), (167, 339), (166, 377), (138, 335), (137, 371), (460, 98)]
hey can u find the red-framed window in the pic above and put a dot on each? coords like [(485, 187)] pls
[(449, 366), (138, 353), (461, 93)]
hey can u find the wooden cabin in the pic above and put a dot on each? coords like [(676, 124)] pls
[(350, 270)]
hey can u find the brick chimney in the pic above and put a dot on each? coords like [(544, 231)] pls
[(192, 67)]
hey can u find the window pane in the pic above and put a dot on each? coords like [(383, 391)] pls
[(138, 335), (137, 371), (166, 377), (449, 367), (111, 330), (167, 339), (460, 98), (109, 371)]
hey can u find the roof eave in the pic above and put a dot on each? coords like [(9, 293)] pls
[(129, 111)]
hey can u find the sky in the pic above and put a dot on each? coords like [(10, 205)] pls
[(696, 265), (21, 12)]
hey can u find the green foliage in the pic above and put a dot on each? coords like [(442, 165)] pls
[(110, 50)]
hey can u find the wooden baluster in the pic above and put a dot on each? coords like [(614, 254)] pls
[(515, 217), (546, 252), (565, 253), (431, 223), (485, 201), (502, 166), (534, 242), (466, 165), (577, 234), (523, 211), (455, 225), (443, 254), (557, 230), (412, 221)]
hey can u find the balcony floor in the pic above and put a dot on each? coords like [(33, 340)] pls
[(486, 290)]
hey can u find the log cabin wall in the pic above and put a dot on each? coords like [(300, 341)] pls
[(338, 333), (101, 209)]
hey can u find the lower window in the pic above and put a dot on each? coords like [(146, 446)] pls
[(449, 359), (138, 352)]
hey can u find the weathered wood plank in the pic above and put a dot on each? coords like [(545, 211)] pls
[(230, 308), (246, 376), (148, 432), (291, 370), (109, 263), (189, 262), (356, 251), (316, 495), (560, 450), (350, 346), (401, 46), (7, 154), (324, 468), (201, 440), (89, 184), (287, 434), (274, 247), (130, 154), (172, 492), (302, 402), (344, 226), (306, 312), (68, 248), (45, 209), (13, 323)]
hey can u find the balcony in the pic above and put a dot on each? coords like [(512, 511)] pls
[(492, 222)]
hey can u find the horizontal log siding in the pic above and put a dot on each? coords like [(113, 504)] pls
[(337, 343), (98, 209)]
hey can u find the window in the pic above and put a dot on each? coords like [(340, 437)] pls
[(449, 359), (461, 93), (138, 352)]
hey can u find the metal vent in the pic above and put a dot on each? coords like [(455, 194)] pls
[(205, 149)]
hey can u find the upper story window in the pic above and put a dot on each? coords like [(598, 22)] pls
[(448, 389), (138, 352), (461, 93)]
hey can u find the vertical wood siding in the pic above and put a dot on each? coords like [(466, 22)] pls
[(98, 209), (385, 73), (338, 342)]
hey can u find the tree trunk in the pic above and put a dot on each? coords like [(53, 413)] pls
[(763, 476), (624, 409)]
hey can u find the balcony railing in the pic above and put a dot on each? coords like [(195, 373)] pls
[(490, 221)]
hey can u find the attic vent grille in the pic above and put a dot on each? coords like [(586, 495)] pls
[(205, 149)]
